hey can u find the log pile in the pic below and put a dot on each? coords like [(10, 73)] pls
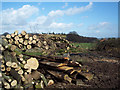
[(25, 63)]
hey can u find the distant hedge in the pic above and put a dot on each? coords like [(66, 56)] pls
[(80, 39)]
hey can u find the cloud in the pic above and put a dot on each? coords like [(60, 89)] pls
[(18, 17), (39, 3), (100, 26), (12, 19), (43, 9), (80, 25), (66, 4), (70, 11), (83, 17), (55, 25), (97, 31), (46, 23)]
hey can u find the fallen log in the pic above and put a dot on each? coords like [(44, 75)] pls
[(60, 76), (15, 75)]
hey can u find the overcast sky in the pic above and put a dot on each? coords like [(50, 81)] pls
[(97, 19)]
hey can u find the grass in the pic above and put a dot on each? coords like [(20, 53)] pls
[(79, 48), (82, 47), (85, 45), (33, 53)]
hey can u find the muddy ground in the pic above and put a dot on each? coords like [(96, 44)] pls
[(105, 70)]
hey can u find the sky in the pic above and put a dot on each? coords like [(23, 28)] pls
[(90, 19)]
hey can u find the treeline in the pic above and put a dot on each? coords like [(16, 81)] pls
[(71, 36), (74, 37)]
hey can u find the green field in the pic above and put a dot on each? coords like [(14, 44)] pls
[(85, 45), (82, 47)]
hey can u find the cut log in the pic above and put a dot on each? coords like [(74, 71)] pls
[(34, 37), (21, 56), (20, 72), (23, 78), (67, 78), (37, 39), (44, 42), (29, 70), (39, 44), (38, 86), (65, 68), (10, 41), (28, 78), (54, 64), (36, 75), (6, 85), (21, 59), (16, 38), (19, 35), (16, 42), (23, 62), (1, 56), (30, 42), (3, 61), (3, 42), (88, 76), (8, 36), (0, 74), (26, 36), (32, 63), (16, 32), (2, 67), (44, 79), (13, 47), (8, 63), (12, 35), (34, 41), (18, 68), (25, 42), (14, 83), (42, 84), (2, 48), (9, 57), (15, 75), (30, 38), (29, 46), (14, 65), (46, 47), (20, 46), (50, 82), (7, 78), (60, 76), (23, 33), (21, 40), (13, 54)]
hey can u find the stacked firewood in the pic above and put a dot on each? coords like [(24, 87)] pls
[(23, 65)]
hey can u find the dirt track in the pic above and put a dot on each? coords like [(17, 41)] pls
[(105, 72)]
